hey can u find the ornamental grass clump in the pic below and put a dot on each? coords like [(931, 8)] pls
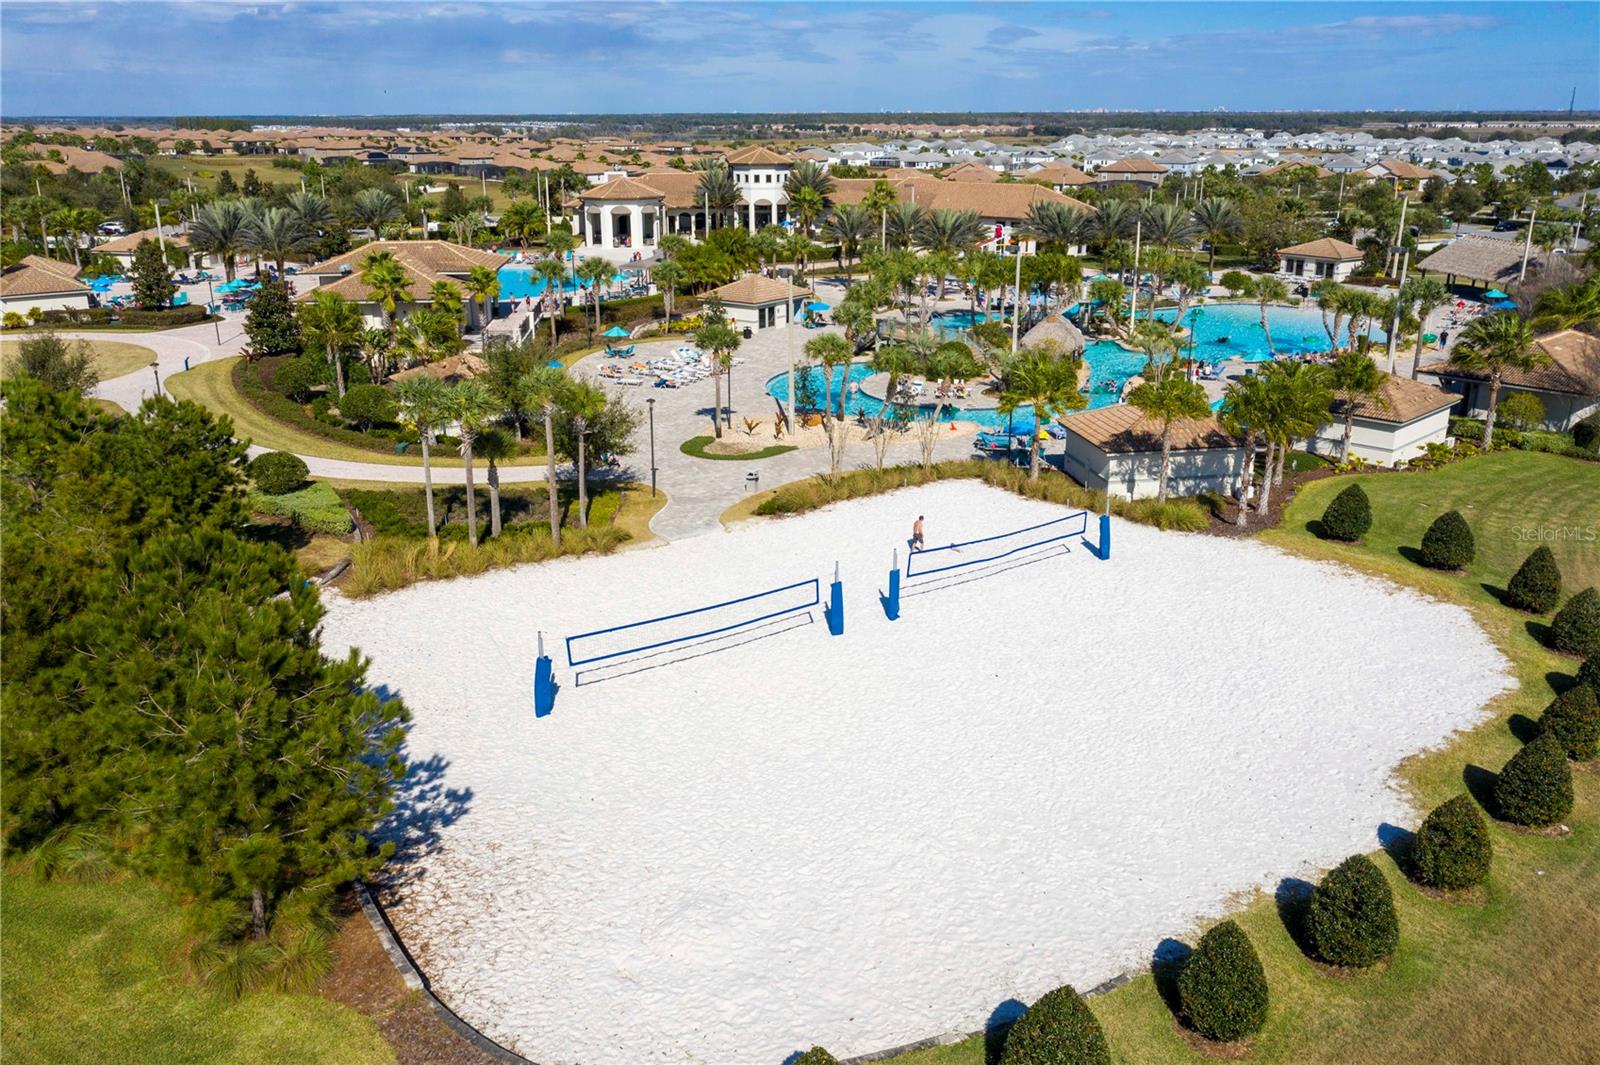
[(1452, 849), (1535, 787), (1348, 517), (1536, 586), (1352, 920), (1576, 626), (1059, 1029), (1223, 989), (1448, 542), (1574, 719)]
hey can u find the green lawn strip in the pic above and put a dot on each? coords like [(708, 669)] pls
[(211, 385), (92, 973), (112, 358), (1469, 982), (696, 447)]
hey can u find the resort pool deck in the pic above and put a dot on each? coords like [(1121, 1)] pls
[(1226, 331)]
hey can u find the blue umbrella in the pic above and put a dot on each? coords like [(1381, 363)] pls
[(615, 331), (1504, 305), (555, 364), (1494, 294), (816, 305)]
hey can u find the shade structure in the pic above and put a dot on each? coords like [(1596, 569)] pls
[(555, 364), (1504, 305), (615, 331), (1494, 294), (817, 305)]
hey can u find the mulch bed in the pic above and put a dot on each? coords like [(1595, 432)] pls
[(1238, 1050), (1282, 495), (364, 979), (1345, 972), (1477, 895)]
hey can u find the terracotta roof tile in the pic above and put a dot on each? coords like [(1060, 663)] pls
[(754, 288), (1124, 429), (1324, 248)]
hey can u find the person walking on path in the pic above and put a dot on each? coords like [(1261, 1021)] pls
[(916, 534)]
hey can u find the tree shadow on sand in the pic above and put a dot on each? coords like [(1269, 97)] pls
[(423, 806)]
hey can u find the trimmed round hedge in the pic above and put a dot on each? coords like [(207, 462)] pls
[(1059, 1029), (1452, 849), (1352, 920), (1448, 542), (816, 1056), (1589, 674), (1223, 989), (277, 472), (1535, 787), (1576, 627), (1348, 517), (1586, 434), (1536, 586), (367, 405), (1574, 719)]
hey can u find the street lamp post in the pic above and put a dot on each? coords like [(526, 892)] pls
[(211, 301), (155, 368), (651, 403)]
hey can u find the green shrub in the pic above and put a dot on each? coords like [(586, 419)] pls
[(188, 314), (1448, 542), (1059, 1029), (1574, 719), (367, 405), (1589, 674), (296, 378), (254, 383), (1522, 411), (1452, 849), (1223, 989), (1535, 787), (1536, 586), (1586, 434), (1576, 626), (816, 1056), (277, 472), (316, 508), (1352, 920), (1348, 517)]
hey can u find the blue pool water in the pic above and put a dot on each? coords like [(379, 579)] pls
[(518, 282), (1233, 330), (951, 323)]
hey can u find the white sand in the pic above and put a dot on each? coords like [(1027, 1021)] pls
[(1028, 780)]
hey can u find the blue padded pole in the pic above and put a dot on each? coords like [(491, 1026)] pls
[(1105, 529), (835, 610), (891, 605), (544, 683)]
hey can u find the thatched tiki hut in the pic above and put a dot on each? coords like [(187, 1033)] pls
[(1055, 329)]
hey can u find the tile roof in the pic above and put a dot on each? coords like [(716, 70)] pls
[(1059, 174), (752, 289), (1324, 248), (1133, 166), (1573, 367), (970, 172), (424, 261), (34, 275), (1405, 401), (1124, 429), (131, 241), (756, 155)]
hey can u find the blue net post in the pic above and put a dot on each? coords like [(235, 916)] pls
[(1105, 537), (544, 683), (835, 611), (891, 602)]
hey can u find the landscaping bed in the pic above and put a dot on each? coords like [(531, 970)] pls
[(701, 447)]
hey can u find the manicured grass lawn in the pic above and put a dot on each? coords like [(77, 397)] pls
[(1505, 981), (92, 973), (211, 385), (112, 358), (696, 447)]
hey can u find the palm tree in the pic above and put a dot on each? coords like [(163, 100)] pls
[(1160, 347), (1334, 301), (1356, 379), (807, 174), (717, 192), (494, 445), (388, 284), (719, 340), (798, 247), (584, 403), (373, 208), (1058, 224), (1244, 413), (1264, 290), (553, 272), (1192, 280), (221, 230), (896, 360), (878, 201), (1217, 220), (375, 345), (445, 297), (464, 229), (904, 224), (949, 234), (316, 217), (806, 205), (483, 284), (332, 323), (1298, 399), (1113, 220), (541, 389), (668, 275), (831, 349), (849, 225), (1427, 294), (1166, 399), (1568, 305), (520, 221), (275, 233), (1167, 225), (1049, 382), (1492, 345), (422, 407), (470, 406), (428, 336), (596, 272)]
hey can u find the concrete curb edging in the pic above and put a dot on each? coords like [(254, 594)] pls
[(414, 979)]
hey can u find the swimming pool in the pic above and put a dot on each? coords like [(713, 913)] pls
[(1233, 330), (951, 323), (518, 282)]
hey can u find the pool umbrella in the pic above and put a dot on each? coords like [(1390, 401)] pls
[(1504, 305), (615, 331), (817, 305), (555, 364), (1494, 294)]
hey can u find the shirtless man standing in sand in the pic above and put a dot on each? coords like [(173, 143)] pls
[(916, 534)]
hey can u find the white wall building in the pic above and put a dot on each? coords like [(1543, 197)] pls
[(1118, 449), (46, 284), (1323, 258), (1392, 432)]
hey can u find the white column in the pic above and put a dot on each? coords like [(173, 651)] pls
[(636, 226), (578, 217), (606, 229), (752, 217)]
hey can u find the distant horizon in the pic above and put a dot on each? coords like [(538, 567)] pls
[(319, 59)]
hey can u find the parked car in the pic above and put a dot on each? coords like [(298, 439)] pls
[(112, 229)]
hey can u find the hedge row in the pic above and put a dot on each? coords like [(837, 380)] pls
[(316, 507), (253, 382)]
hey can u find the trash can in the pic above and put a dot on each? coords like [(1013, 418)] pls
[(747, 333)]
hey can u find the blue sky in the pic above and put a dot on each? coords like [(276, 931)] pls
[(395, 56)]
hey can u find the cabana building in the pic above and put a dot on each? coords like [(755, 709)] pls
[(424, 262), (1481, 262), (47, 284), (1568, 384), (1117, 449), (1410, 416), (755, 302), (1325, 258)]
